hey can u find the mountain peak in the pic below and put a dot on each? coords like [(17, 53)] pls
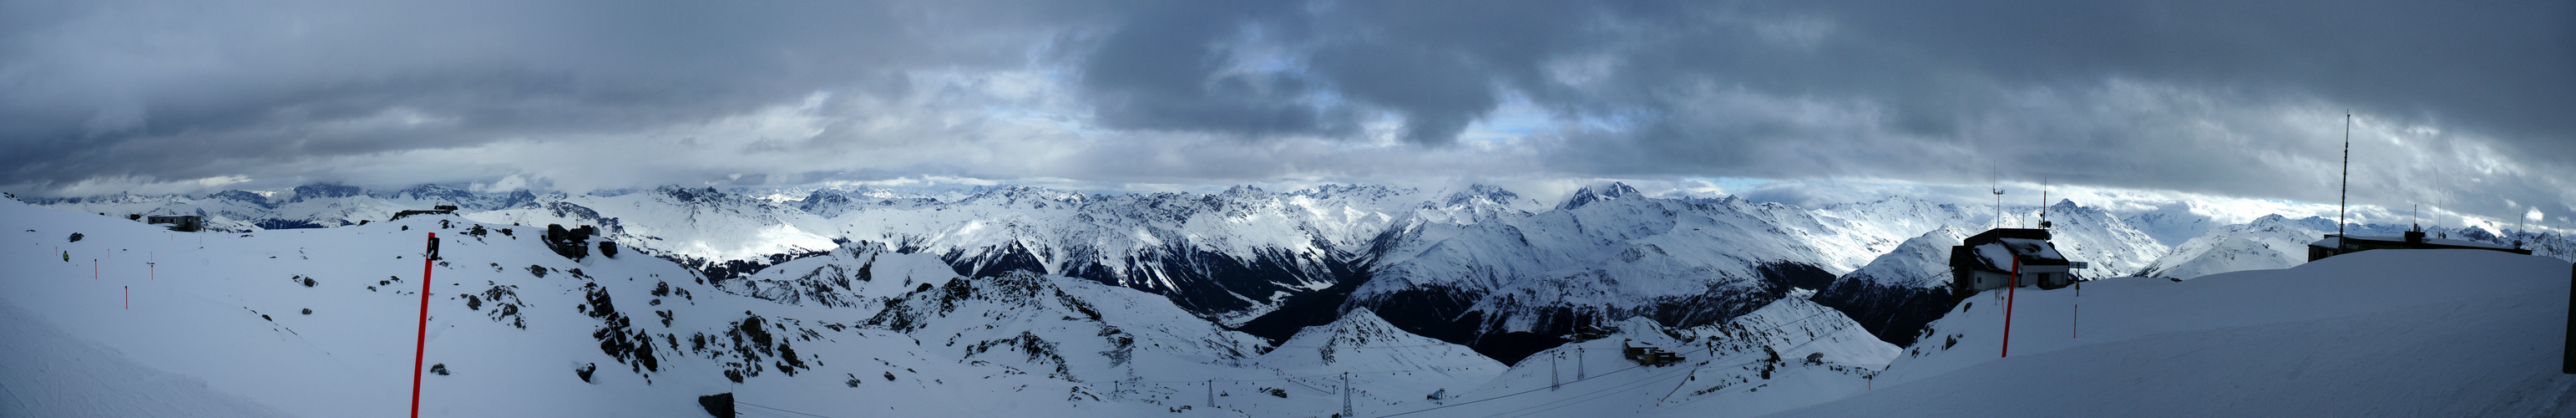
[(688, 195), (324, 191), (1587, 195), (1479, 192)]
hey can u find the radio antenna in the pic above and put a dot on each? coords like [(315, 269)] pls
[(1997, 181), (2343, 196), (2043, 203)]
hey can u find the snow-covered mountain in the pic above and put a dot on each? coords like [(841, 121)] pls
[(1788, 354), (1509, 285), (310, 322), (1897, 294), (1396, 362), (2270, 242), (313, 322), (309, 206), (2170, 224), (2099, 238), (1261, 261)]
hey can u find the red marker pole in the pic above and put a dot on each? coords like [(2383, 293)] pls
[(421, 342), (2008, 304)]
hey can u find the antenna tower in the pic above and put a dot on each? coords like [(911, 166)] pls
[(1997, 181), (2043, 203), (2343, 196)]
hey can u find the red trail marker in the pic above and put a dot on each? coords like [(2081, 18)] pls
[(420, 344), (2008, 304)]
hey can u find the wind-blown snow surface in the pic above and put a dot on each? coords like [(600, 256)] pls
[(2375, 333)]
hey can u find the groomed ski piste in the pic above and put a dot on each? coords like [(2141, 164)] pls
[(145, 322)]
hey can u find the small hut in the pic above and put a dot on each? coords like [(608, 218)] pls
[(181, 223)]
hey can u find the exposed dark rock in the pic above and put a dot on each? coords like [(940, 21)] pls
[(719, 405)]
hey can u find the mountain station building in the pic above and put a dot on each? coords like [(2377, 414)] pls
[(2334, 244), (1985, 261)]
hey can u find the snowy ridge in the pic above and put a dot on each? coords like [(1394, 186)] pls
[(1392, 361), (1895, 295), (2270, 242), (1754, 364), (1810, 351), (521, 330), (2276, 242), (864, 329), (2170, 224), (1920, 262), (1059, 328), (1508, 284), (2101, 239), (2316, 339), (1362, 337), (701, 223)]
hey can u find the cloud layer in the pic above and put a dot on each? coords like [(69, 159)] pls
[(2457, 105)]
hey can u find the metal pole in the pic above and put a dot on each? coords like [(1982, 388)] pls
[(2568, 364), (2008, 304), (2343, 192), (420, 343), (1578, 362)]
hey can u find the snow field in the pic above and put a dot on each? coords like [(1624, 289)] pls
[(2379, 333)]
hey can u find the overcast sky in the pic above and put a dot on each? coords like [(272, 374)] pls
[(2468, 105)]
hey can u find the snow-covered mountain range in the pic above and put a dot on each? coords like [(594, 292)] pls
[(1477, 265), (997, 303)]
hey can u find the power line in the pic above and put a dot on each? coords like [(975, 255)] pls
[(1587, 397), (1612, 372), (738, 401)]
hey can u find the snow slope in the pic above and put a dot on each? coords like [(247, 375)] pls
[(516, 326), (50, 373), (2409, 333), (1390, 363), (1756, 363)]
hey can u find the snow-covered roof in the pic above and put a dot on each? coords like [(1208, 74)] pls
[(2033, 249), (1999, 255), (2334, 241)]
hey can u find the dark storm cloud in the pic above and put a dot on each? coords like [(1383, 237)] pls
[(1933, 69), (110, 88), (2221, 97), (2235, 98)]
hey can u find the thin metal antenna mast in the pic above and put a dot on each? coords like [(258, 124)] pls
[(1997, 181), (2343, 197)]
